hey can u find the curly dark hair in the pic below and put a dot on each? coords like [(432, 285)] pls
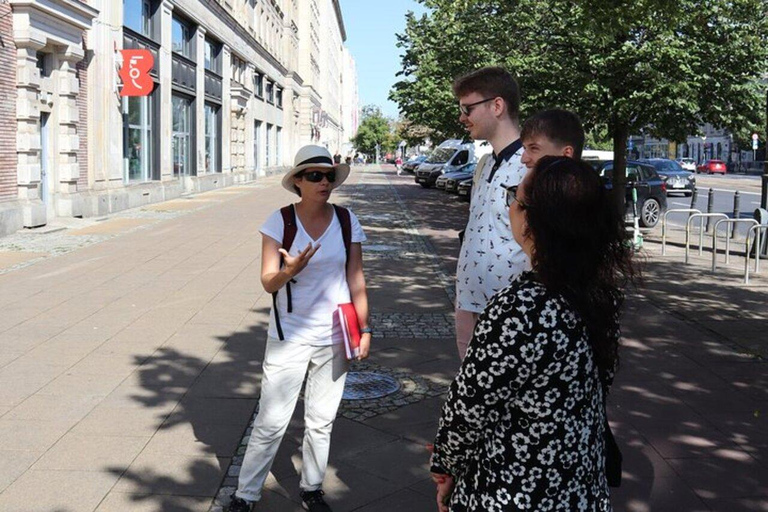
[(581, 248)]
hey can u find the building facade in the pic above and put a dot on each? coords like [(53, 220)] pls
[(237, 87)]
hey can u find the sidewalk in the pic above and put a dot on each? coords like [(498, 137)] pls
[(130, 363)]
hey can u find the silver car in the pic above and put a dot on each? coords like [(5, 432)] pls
[(688, 164)]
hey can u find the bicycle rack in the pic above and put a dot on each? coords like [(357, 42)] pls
[(728, 239), (700, 216), (664, 225), (756, 246)]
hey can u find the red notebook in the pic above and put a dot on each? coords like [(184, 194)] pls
[(350, 329)]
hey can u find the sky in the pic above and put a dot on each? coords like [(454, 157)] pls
[(371, 26)]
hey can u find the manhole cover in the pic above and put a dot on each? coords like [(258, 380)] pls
[(381, 248), (369, 385)]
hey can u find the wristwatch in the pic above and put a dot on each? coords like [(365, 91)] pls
[(366, 330)]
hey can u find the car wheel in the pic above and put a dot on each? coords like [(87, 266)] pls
[(687, 194), (650, 213), (425, 185)]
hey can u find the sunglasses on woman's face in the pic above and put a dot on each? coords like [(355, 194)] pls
[(512, 197), (317, 176)]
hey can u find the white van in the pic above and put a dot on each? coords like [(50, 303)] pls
[(450, 155)]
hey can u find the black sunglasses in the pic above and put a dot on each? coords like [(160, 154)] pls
[(512, 197), (317, 176), (467, 109)]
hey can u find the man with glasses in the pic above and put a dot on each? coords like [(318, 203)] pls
[(489, 105)]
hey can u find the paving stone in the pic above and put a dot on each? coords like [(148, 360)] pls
[(78, 452), (63, 491)]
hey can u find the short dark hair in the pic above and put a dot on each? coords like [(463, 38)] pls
[(491, 82), (560, 126), (581, 248)]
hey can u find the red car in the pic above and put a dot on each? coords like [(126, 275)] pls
[(712, 167)]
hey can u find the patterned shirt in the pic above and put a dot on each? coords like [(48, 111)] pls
[(523, 424), (489, 256)]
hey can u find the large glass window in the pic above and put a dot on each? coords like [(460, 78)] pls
[(138, 149), (182, 136), (270, 91), (279, 97), (268, 160), (212, 142), (278, 135), (137, 16), (182, 35), (256, 139), (212, 59)]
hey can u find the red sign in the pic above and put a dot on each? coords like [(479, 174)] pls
[(135, 72)]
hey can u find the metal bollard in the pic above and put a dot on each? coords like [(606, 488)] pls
[(694, 197), (736, 211), (710, 204)]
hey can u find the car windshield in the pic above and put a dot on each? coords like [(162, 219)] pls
[(441, 155), (668, 166)]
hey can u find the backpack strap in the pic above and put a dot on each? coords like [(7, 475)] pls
[(346, 228), (289, 234)]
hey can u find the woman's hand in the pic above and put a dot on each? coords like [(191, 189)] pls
[(445, 485), (365, 346), (295, 264)]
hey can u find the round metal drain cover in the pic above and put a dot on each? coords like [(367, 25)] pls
[(369, 385)]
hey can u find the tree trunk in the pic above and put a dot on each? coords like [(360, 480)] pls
[(620, 134)]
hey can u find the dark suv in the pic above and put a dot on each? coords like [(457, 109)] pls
[(651, 189)]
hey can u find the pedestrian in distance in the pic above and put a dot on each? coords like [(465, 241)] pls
[(524, 425), (399, 165), (553, 132), (489, 103), (308, 277)]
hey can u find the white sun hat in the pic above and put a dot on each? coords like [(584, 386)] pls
[(315, 157)]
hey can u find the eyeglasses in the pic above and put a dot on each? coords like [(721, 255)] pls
[(317, 176), (467, 109), (512, 197)]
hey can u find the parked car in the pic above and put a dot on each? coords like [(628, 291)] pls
[(413, 163), (449, 155), (465, 190), (712, 167), (677, 178), (689, 164), (651, 189), (450, 180)]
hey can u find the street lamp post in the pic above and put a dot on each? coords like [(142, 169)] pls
[(764, 189)]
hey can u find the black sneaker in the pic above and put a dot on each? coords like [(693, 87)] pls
[(314, 502), (239, 505)]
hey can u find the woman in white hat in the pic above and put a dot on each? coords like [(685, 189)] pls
[(311, 263)]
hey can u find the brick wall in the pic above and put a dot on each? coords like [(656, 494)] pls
[(8, 158), (82, 127)]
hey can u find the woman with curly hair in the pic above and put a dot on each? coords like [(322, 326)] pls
[(524, 423)]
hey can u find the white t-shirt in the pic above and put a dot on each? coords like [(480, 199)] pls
[(489, 256), (319, 288)]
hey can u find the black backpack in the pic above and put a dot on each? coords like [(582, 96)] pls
[(289, 234)]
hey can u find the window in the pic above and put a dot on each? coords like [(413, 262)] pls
[(212, 56), (138, 146), (182, 136), (268, 160), (137, 16), (258, 84), (212, 142), (256, 137), (279, 97), (44, 64), (278, 136), (270, 91), (239, 70), (182, 34)]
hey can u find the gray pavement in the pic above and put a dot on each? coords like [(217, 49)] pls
[(130, 363)]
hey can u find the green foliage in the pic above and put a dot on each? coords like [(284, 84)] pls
[(666, 66), (374, 129)]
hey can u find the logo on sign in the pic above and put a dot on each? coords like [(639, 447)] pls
[(135, 72)]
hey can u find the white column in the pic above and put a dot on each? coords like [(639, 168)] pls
[(226, 110), (67, 89), (200, 103), (166, 73)]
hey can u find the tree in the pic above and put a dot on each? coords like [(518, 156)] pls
[(374, 129), (413, 134), (665, 66)]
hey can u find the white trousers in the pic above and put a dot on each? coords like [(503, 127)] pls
[(285, 366)]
